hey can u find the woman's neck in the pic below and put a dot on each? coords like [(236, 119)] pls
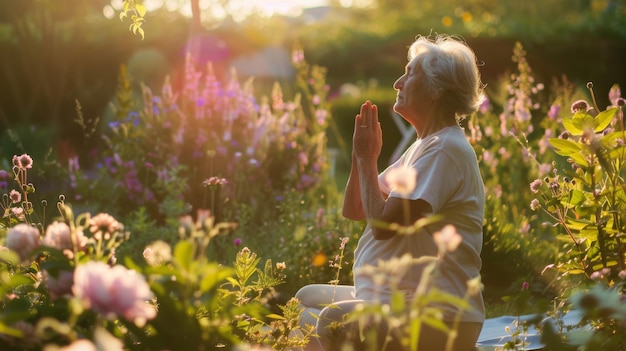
[(433, 125)]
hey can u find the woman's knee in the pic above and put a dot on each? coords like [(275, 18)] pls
[(309, 295), (321, 295)]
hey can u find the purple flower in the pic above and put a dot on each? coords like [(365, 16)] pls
[(601, 274), (615, 94), (553, 113), (484, 105), (525, 286), (237, 242)]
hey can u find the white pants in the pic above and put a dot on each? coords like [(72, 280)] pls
[(316, 298)]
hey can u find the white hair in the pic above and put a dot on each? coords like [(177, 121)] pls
[(451, 72)]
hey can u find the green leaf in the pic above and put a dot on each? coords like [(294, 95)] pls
[(10, 257), (183, 254), (234, 282), (577, 124), (275, 316), (565, 147), (398, 302), (577, 225), (603, 119), (576, 197), (213, 274), (568, 148), (299, 233)]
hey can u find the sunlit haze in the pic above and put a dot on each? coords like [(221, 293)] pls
[(239, 9)]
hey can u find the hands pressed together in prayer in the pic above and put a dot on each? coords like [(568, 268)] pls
[(367, 140)]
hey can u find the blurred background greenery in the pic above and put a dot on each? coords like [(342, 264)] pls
[(60, 60), (55, 53)]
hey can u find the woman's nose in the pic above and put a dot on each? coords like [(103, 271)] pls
[(398, 84)]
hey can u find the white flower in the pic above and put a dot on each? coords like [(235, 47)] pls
[(158, 253), (474, 286), (402, 179)]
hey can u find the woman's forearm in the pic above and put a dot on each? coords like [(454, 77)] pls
[(372, 199), (352, 207)]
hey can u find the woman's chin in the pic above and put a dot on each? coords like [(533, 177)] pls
[(397, 107)]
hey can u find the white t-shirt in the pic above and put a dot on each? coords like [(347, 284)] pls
[(448, 178)]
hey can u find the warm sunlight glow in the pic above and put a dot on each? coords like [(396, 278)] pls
[(239, 9)]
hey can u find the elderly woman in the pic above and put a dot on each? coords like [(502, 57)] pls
[(441, 84)]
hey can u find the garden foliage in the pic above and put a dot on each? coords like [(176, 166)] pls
[(204, 177), (567, 230)]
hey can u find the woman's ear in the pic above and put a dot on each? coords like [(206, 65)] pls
[(436, 94)]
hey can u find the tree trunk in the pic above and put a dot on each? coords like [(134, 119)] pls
[(196, 23)]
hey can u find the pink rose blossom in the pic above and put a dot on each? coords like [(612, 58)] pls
[(18, 213), (80, 345), (103, 223), (59, 286), (114, 292), (58, 235), (23, 239)]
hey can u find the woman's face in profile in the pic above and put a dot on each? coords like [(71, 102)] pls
[(412, 98)]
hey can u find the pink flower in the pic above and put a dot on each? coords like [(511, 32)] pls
[(23, 239), (15, 196), (215, 181), (58, 236), (534, 204), (601, 274), (104, 223), (114, 292), (59, 285), (102, 340), (23, 162), (535, 185), (18, 213), (80, 345), (447, 239), (402, 180)]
